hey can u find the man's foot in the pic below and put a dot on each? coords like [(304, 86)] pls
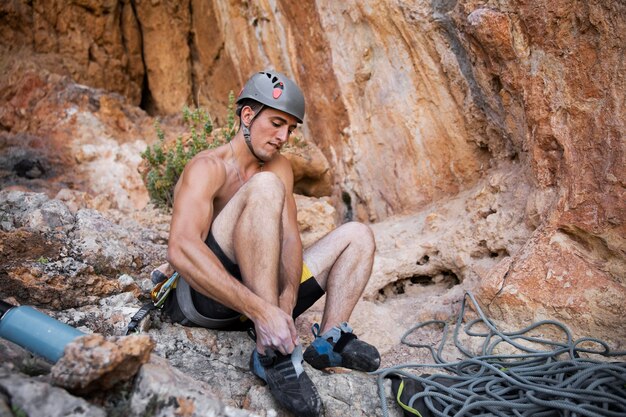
[(287, 381), (340, 347)]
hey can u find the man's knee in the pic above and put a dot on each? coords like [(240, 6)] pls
[(361, 235), (266, 189)]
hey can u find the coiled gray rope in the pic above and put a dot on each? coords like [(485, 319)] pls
[(556, 381)]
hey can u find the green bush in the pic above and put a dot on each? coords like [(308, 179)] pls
[(164, 165)]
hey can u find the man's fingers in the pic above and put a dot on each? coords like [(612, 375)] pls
[(288, 348), (279, 334)]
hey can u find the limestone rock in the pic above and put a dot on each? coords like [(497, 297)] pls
[(38, 398), (105, 136), (457, 242), (544, 76), (167, 391), (316, 217), (18, 359), (483, 140), (5, 410), (207, 355), (563, 276), (165, 30), (95, 363), (311, 171), (33, 211), (87, 39), (75, 200), (59, 260), (103, 244)]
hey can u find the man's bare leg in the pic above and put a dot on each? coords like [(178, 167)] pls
[(249, 231), (342, 264)]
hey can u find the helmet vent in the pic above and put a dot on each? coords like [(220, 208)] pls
[(278, 89)]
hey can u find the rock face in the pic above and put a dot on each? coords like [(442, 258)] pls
[(96, 43), (61, 136), (59, 260), (556, 105), (168, 391), (482, 140)]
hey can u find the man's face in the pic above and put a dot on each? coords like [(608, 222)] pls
[(270, 131)]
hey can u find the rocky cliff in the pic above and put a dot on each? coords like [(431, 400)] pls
[(483, 140)]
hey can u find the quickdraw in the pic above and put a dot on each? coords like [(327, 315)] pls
[(158, 295)]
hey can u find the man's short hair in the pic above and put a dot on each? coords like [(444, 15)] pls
[(253, 104)]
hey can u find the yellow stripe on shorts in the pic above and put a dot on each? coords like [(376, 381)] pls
[(306, 273)]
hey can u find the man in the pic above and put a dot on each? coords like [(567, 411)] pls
[(234, 239)]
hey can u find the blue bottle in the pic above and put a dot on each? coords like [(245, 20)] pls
[(35, 331)]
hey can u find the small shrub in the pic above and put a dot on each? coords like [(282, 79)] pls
[(229, 131), (17, 411), (163, 164)]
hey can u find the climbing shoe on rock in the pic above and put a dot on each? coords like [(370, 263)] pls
[(340, 347), (287, 381)]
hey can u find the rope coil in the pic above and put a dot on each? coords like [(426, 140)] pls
[(555, 381)]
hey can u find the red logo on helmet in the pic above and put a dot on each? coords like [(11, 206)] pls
[(277, 92)]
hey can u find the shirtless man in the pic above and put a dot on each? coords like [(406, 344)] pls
[(234, 241)]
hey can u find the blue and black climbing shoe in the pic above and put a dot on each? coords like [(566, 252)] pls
[(287, 381), (340, 347)]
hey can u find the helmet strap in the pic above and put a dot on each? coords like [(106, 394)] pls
[(246, 135)]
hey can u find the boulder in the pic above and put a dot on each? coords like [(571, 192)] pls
[(34, 398), (94, 363)]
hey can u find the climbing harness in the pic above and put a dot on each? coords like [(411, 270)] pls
[(559, 380), (162, 291), (185, 303)]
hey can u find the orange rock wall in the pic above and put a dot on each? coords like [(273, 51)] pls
[(558, 65), (410, 102), (377, 80)]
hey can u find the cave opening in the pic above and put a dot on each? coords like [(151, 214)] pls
[(413, 285)]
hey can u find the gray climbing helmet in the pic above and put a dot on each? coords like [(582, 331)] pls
[(274, 90)]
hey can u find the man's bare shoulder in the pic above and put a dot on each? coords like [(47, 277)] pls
[(208, 161), (279, 164), (205, 169)]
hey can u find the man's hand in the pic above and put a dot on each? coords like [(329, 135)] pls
[(275, 330)]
